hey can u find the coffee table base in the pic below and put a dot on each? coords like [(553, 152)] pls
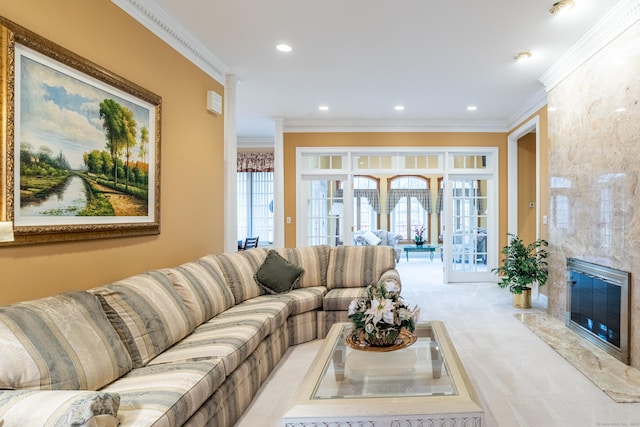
[(460, 410)]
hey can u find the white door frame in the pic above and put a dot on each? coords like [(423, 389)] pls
[(512, 173)]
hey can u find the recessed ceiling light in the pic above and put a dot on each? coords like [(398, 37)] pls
[(399, 107), (521, 57), (620, 110), (323, 108), (472, 108), (561, 7), (284, 48), (552, 108)]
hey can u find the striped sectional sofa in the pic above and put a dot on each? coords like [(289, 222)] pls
[(188, 345)]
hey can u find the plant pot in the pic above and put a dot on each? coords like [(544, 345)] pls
[(522, 300)]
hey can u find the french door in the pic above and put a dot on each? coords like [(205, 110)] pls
[(470, 228), (325, 211)]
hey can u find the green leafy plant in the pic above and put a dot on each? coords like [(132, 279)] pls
[(523, 265)]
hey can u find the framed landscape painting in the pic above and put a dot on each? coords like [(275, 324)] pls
[(81, 146)]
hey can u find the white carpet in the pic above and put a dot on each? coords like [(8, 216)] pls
[(520, 380)]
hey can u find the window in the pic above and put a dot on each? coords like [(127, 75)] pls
[(255, 206), (409, 205), (366, 203)]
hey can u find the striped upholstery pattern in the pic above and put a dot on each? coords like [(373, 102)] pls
[(52, 343), (273, 311), (166, 395), (314, 260), (302, 327), (393, 276), (326, 319), (339, 299), (232, 340), (59, 408), (228, 403), (358, 266), (147, 313), (239, 269), (202, 289), (304, 299)]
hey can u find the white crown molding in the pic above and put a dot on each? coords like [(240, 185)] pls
[(319, 126), (614, 23), (164, 26), (251, 142), (529, 108)]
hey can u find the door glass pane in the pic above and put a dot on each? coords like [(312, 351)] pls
[(325, 213), (469, 235)]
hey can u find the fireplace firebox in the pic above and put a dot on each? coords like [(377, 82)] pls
[(598, 305)]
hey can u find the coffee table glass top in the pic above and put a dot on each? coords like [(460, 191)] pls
[(418, 370)]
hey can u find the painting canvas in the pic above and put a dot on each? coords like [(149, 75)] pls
[(82, 155), (83, 149)]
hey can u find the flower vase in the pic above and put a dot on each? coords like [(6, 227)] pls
[(419, 242), (384, 338)]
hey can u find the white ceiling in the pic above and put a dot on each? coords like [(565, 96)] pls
[(363, 57)]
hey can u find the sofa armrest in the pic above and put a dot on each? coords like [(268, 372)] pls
[(59, 408), (392, 275)]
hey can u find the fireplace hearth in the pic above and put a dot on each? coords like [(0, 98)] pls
[(598, 305)]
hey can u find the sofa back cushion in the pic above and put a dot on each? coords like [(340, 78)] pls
[(313, 259), (239, 269), (63, 342), (147, 312), (202, 288), (356, 266)]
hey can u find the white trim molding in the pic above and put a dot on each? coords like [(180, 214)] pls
[(171, 32), (366, 125), (614, 23)]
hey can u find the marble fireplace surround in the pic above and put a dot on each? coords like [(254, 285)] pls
[(594, 161)]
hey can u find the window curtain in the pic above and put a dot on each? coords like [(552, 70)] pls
[(255, 162), (371, 194), (440, 201), (423, 195)]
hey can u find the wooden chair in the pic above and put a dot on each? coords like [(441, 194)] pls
[(250, 242)]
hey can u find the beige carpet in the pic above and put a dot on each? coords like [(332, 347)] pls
[(619, 381)]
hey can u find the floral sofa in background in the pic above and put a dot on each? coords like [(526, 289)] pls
[(187, 345), (379, 237)]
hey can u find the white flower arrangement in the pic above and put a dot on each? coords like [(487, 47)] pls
[(382, 314)]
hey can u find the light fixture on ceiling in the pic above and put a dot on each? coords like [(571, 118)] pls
[(472, 108), (561, 7), (399, 108), (521, 57), (323, 108), (284, 48)]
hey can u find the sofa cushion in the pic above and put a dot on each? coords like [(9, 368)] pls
[(239, 269), (166, 395), (277, 275), (358, 266), (372, 239), (58, 408), (52, 343), (314, 260), (202, 288), (304, 299), (231, 340), (147, 312), (339, 299)]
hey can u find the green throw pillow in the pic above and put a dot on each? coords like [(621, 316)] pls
[(277, 275)]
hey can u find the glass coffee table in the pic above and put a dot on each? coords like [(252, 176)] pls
[(423, 383)]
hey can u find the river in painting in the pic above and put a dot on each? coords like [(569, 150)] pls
[(67, 200)]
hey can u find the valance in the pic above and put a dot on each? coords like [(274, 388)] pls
[(423, 195), (371, 194), (255, 162)]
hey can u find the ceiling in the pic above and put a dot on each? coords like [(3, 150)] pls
[(361, 58)]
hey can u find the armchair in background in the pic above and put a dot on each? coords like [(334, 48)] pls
[(378, 237)]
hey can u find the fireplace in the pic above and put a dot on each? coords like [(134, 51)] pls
[(598, 305)]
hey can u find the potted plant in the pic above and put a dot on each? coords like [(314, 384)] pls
[(522, 266), (380, 317), (419, 235)]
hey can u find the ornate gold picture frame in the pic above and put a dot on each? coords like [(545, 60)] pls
[(80, 146)]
